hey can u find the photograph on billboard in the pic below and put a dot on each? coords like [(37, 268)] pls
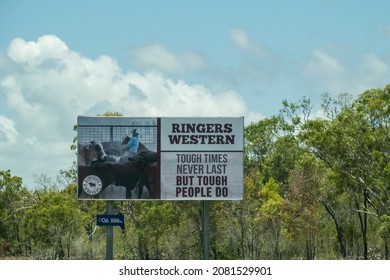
[(117, 158), (120, 158)]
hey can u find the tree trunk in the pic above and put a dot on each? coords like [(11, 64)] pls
[(60, 254), (363, 223), (242, 241), (143, 250), (365, 242), (277, 231), (339, 229), (310, 247)]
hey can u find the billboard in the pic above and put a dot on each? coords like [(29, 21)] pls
[(123, 158)]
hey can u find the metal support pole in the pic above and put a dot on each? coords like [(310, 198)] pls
[(109, 234), (205, 231)]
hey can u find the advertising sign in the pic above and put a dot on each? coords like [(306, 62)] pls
[(160, 158), (201, 158)]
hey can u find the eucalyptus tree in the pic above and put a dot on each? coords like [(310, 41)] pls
[(152, 223), (53, 222), (14, 201), (272, 153), (259, 144), (353, 144)]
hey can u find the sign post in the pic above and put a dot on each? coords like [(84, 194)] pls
[(109, 234), (205, 228)]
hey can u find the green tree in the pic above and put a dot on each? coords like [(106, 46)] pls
[(270, 214), (53, 222), (304, 219), (14, 201), (352, 145)]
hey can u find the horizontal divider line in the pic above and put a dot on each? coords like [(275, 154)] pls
[(201, 151)]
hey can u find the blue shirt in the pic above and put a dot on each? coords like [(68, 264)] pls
[(133, 144)]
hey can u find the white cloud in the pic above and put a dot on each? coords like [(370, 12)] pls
[(33, 53), (374, 66), (329, 74), (373, 72), (324, 66), (51, 85), (242, 42), (157, 57), (8, 133), (260, 64), (240, 39), (326, 73)]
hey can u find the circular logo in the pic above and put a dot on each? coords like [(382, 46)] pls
[(92, 185)]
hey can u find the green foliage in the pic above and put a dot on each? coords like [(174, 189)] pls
[(271, 202), (258, 141), (54, 220), (12, 205)]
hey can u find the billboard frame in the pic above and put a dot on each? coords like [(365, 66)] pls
[(197, 158)]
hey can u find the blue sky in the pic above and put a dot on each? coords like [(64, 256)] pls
[(60, 59)]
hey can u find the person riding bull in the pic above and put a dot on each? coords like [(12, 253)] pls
[(133, 143)]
